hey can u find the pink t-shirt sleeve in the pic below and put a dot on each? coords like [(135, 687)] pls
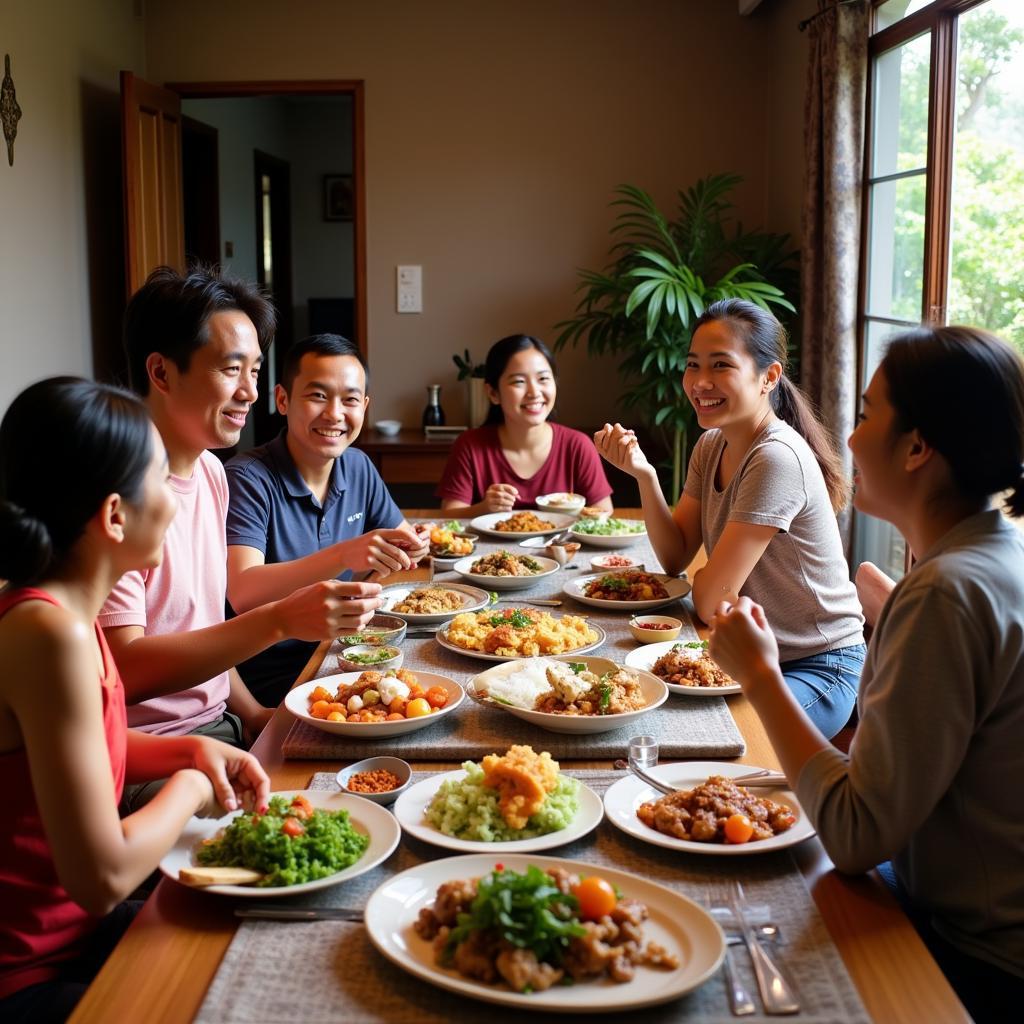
[(126, 605)]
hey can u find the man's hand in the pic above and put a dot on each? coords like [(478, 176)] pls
[(500, 498), (238, 779), (327, 609), (382, 551)]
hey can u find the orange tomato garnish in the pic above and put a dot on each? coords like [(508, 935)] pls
[(292, 827), (437, 696), (596, 898), (738, 828), (417, 708)]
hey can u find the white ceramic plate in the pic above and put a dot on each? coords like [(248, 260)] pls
[(614, 540), (442, 639), (676, 588), (297, 702), (676, 923), (473, 599), (623, 798), (655, 692), (410, 812), (462, 567), (365, 817), (645, 657), (485, 524)]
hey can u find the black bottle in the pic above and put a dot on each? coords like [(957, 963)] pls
[(433, 415)]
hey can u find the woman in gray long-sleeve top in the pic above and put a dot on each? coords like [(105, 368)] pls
[(933, 779)]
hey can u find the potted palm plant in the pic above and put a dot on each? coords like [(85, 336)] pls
[(663, 274)]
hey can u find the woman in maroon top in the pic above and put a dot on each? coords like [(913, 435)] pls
[(83, 498), (517, 454)]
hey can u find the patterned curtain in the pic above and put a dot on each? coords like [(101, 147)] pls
[(834, 113)]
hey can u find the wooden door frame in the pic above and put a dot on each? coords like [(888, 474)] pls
[(318, 87)]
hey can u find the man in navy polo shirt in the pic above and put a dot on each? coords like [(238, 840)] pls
[(307, 506)]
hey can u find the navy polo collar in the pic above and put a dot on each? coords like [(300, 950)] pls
[(291, 478)]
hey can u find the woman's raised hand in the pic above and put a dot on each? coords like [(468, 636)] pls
[(500, 498), (619, 446), (237, 778)]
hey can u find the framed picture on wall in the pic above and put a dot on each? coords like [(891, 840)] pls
[(338, 197)]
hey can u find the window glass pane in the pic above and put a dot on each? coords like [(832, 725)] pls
[(986, 285), (899, 131), (896, 248), (896, 10)]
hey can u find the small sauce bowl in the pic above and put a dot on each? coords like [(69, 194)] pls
[(402, 770), (665, 628), (562, 553), (360, 658)]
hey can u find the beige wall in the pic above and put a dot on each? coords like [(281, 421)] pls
[(61, 262), (495, 133)]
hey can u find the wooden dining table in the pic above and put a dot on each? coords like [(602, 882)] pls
[(162, 968)]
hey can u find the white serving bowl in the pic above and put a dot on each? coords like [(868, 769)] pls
[(297, 702), (463, 566), (347, 663), (609, 540), (639, 626), (389, 428), (561, 502), (402, 770), (654, 689)]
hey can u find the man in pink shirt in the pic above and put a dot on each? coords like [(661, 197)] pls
[(195, 345)]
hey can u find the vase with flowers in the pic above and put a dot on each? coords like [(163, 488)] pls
[(473, 374)]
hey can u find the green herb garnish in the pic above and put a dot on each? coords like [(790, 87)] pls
[(454, 525), (701, 644), (606, 696), (517, 618), (577, 667), (526, 910), (614, 583)]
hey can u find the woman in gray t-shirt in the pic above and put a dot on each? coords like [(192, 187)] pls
[(761, 495), (932, 781)]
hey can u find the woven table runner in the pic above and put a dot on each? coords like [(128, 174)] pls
[(322, 972), (684, 726)]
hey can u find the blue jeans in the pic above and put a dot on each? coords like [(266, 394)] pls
[(826, 685)]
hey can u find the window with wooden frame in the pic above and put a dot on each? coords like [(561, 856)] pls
[(943, 238)]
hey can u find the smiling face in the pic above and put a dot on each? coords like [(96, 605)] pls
[(526, 389), (206, 405), (722, 380), (325, 408)]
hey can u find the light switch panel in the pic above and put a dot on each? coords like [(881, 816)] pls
[(410, 289)]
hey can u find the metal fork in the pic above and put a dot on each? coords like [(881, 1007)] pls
[(740, 1001), (776, 993)]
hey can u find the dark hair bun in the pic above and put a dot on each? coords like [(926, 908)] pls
[(26, 549)]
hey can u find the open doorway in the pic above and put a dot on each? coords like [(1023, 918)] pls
[(285, 170)]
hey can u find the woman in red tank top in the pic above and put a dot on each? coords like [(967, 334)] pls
[(83, 499)]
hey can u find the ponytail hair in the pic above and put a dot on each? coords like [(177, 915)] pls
[(764, 339), (928, 371), (97, 442)]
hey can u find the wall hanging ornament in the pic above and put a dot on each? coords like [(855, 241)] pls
[(10, 112)]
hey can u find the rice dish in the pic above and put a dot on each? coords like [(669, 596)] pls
[(467, 809), (521, 688)]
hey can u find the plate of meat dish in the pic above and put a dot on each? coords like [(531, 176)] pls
[(685, 668), (674, 944), (570, 694), (628, 590), (524, 523), (711, 814), (428, 604), (503, 570)]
